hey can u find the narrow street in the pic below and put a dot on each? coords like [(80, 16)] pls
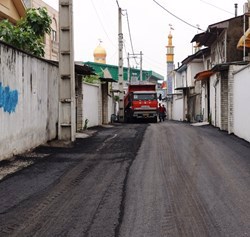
[(132, 180)]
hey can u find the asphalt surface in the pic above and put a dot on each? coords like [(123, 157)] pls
[(188, 181), (150, 180)]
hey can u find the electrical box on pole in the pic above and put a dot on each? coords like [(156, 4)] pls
[(67, 123)]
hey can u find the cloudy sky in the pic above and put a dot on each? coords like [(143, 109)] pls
[(148, 22)]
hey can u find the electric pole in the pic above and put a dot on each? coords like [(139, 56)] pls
[(134, 55), (140, 65), (128, 70), (67, 118), (120, 68)]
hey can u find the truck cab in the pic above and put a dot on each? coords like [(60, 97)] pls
[(141, 103)]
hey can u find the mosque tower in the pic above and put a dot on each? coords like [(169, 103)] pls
[(170, 63), (100, 54)]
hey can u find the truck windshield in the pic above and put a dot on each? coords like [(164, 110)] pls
[(145, 97)]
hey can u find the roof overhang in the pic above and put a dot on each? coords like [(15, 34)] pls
[(217, 68), (80, 69), (184, 88), (84, 70), (107, 79), (115, 90), (203, 75), (199, 55), (20, 7), (13, 11), (151, 75), (164, 85), (207, 38)]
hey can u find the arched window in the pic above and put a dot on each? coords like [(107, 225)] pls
[(54, 30)]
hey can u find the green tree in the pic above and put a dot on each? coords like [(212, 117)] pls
[(28, 34), (93, 79)]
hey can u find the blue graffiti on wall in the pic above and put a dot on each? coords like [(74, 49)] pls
[(8, 99)]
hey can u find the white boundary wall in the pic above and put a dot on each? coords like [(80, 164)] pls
[(241, 98), (91, 105), (215, 101), (28, 101), (177, 108)]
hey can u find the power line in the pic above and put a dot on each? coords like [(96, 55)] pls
[(217, 7), (117, 4), (155, 63), (130, 37), (196, 27), (102, 24)]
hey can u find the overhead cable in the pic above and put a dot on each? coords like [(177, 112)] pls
[(196, 27), (217, 7), (117, 3), (130, 38), (100, 21)]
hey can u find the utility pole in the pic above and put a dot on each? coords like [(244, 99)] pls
[(140, 65), (67, 118), (120, 68), (134, 55)]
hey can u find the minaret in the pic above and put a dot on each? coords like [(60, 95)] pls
[(170, 63)]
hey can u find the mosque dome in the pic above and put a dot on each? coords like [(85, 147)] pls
[(100, 54)]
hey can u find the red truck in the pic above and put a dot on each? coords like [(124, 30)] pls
[(140, 102)]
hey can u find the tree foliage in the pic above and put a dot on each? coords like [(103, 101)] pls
[(93, 79), (28, 34)]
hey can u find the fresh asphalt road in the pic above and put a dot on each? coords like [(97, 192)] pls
[(132, 180)]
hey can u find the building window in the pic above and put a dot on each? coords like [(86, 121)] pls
[(53, 34)]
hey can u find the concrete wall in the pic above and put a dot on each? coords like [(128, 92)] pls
[(194, 107), (204, 101), (108, 103), (215, 95), (241, 98), (224, 102), (178, 109), (28, 101), (111, 107), (181, 79), (91, 104), (233, 70)]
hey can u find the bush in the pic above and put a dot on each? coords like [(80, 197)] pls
[(28, 34)]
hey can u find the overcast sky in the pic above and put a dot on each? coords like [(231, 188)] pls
[(149, 23)]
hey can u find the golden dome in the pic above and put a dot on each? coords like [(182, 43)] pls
[(100, 51), (100, 54)]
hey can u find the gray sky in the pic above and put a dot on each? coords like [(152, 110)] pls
[(149, 25)]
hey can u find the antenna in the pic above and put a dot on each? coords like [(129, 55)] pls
[(100, 41), (171, 27), (198, 27)]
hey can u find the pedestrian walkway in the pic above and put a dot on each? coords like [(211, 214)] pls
[(19, 162)]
